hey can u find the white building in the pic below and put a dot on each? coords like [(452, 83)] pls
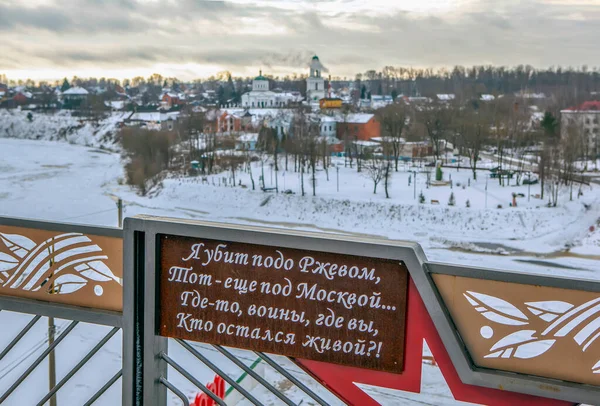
[(261, 97), (585, 119), (315, 84), (328, 127)]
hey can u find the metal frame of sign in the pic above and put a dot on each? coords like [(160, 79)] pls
[(142, 346)]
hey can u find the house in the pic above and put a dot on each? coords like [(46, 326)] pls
[(328, 126), (360, 126), (22, 98), (445, 97), (153, 120), (246, 142), (330, 103), (585, 119), (75, 93), (222, 121), (170, 100)]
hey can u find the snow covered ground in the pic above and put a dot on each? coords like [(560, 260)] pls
[(70, 183)]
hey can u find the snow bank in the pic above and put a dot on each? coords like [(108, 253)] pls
[(61, 126)]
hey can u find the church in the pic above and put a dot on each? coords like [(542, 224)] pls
[(315, 84), (261, 97)]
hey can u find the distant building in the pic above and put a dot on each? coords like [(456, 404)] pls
[(75, 93), (445, 97), (330, 103), (262, 98), (169, 100), (358, 127), (328, 127), (586, 119), (246, 142), (315, 84), (153, 120)]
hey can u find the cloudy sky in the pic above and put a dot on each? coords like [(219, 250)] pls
[(49, 39)]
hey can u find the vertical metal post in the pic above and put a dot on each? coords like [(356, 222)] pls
[(153, 367), (338, 177), (51, 332), (415, 183), (120, 212), (529, 187)]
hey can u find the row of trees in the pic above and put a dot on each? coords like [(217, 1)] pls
[(502, 127)]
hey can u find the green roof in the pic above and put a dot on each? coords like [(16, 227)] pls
[(261, 77), (315, 58)]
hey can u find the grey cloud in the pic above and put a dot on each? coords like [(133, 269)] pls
[(125, 33)]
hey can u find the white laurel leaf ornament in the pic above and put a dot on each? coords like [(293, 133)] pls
[(62, 264), (548, 310), (18, 244), (68, 283), (528, 346), (496, 310), (7, 262), (96, 271)]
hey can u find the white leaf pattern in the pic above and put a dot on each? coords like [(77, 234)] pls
[(18, 244), (496, 310), (528, 346), (580, 322), (96, 271), (76, 262), (7, 262), (68, 284), (548, 310)]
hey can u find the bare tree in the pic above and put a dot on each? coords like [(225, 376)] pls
[(376, 168), (437, 120), (473, 125), (393, 120)]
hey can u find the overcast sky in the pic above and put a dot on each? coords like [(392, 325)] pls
[(49, 39)]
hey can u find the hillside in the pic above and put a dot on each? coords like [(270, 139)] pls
[(61, 126)]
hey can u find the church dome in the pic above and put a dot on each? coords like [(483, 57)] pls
[(261, 77), (315, 58)]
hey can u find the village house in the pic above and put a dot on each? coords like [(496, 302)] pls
[(75, 93), (170, 100), (222, 122), (153, 120), (246, 142), (360, 126)]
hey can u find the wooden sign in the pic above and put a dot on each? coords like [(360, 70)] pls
[(334, 308)]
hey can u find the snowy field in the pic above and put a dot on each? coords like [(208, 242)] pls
[(69, 183)]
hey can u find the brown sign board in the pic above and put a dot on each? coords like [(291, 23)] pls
[(530, 329), (328, 307), (62, 267)]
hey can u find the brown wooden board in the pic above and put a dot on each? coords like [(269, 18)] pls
[(335, 308)]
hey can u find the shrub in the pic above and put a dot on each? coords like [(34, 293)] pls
[(468, 204), (421, 198), (452, 200)]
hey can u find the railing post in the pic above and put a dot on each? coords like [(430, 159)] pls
[(153, 367)]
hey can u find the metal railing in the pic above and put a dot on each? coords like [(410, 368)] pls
[(57, 323)]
